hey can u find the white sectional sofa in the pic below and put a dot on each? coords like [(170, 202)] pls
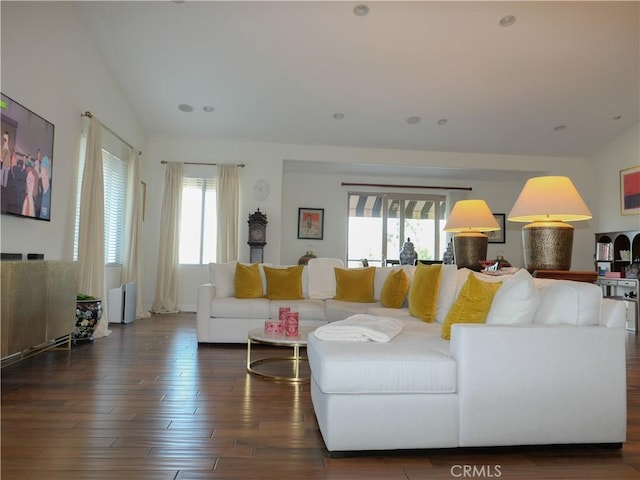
[(223, 318), (547, 366)]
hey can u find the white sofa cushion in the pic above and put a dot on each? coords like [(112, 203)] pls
[(232, 307), (415, 361), (322, 277), (568, 303), (339, 310), (516, 301), (390, 312), (308, 309)]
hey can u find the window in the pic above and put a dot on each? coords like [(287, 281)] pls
[(198, 221), (379, 224), (115, 195), (115, 172)]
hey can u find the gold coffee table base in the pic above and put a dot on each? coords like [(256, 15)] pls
[(258, 336)]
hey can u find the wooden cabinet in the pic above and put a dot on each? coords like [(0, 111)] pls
[(37, 307), (609, 246)]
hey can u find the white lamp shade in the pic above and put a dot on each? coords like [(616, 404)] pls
[(471, 216), (549, 199)]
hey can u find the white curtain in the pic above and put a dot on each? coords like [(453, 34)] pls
[(166, 299), (227, 199), (91, 258), (132, 266)]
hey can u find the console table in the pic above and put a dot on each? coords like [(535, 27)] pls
[(626, 290), (38, 307), (575, 275)]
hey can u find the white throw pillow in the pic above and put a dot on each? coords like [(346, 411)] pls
[(322, 277), (446, 291), (516, 301), (221, 275)]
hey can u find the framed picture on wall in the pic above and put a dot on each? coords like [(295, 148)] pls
[(498, 236), (311, 223), (630, 191)]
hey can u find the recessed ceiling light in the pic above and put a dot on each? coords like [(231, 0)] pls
[(442, 121), (361, 10), (413, 120), (208, 108), (559, 128), (507, 21), (617, 117), (183, 107), (338, 116)]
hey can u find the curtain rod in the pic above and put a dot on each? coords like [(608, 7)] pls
[(90, 115), (345, 184), (242, 165)]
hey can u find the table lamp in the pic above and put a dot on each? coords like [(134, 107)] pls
[(468, 219), (548, 202)]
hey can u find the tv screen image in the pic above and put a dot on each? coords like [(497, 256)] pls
[(26, 161)]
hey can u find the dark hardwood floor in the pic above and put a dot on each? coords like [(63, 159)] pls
[(147, 403)]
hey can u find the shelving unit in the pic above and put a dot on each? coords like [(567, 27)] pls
[(610, 244), (607, 258)]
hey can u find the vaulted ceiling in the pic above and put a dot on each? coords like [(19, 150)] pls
[(561, 79)]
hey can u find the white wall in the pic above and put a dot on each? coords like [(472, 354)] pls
[(623, 152), (325, 191)]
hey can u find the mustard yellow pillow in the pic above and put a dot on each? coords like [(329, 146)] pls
[(354, 284), (395, 289), (284, 283), (423, 294), (247, 282), (472, 305)]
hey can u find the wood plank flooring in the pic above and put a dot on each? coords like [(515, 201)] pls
[(146, 403)]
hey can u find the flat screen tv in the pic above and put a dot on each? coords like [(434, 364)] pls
[(26, 162)]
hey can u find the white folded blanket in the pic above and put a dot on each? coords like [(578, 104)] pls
[(361, 328)]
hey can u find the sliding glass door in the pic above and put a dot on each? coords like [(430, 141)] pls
[(380, 223)]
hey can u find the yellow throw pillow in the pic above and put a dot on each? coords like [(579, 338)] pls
[(354, 284), (395, 289), (423, 294), (472, 305), (247, 281), (284, 283)]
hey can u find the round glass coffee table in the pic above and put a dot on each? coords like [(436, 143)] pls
[(257, 336)]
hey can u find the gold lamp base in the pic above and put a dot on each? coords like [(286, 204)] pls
[(547, 246), (469, 249)]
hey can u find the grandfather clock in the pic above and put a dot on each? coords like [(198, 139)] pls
[(257, 236)]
